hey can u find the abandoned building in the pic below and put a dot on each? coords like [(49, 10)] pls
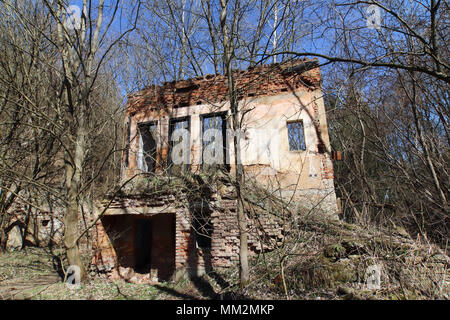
[(284, 147)]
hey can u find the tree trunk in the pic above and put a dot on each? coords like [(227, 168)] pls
[(242, 222), (234, 107), (2, 236), (73, 181), (70, 237)]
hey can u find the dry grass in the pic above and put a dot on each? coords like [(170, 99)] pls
[(322, 259), (31, 274)]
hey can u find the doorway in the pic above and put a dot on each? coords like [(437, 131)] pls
[(143, 245), (154, 245)]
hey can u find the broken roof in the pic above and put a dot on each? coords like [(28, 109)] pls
[(261, 80)]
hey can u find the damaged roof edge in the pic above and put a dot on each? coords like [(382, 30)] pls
[(260, 80)]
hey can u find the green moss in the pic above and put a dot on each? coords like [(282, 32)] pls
[(334, 251), (324, 274), (354, 247)]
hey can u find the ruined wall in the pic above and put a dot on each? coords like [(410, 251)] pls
[(210, 89), (270, 97), (305, 175), (115, 256), (35, 226)]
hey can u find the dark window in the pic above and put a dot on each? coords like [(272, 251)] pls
[(214, 126), (202, 225), (203, 241), (296, 135), (175, 125), (147, 146)]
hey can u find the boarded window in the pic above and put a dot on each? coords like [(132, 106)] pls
[(147, 146), (296, 135), (179, 145), (214, 142)]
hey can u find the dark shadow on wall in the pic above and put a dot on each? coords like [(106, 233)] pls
[(119, 229), (200, 198)]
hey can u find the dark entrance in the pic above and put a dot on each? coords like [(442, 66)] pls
[(154, 245), (143, 245)]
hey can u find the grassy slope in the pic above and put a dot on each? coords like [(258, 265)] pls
[(30, 274), (329, 259), (320, 259)]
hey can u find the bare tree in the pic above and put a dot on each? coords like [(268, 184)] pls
[(388, 107), (78, 48), (70, 101)]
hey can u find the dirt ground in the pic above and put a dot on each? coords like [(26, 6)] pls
[(320, 261), (31, 274)]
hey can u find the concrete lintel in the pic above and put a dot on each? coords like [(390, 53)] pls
[(140, 210)]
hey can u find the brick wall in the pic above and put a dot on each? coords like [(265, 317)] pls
[(258, 81), (224, 250)]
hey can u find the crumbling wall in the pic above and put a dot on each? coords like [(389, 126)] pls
[(270, 96), (258, 81), (35, 226), (109, 255)]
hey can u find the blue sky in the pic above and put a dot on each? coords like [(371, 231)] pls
[(319, 37)]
